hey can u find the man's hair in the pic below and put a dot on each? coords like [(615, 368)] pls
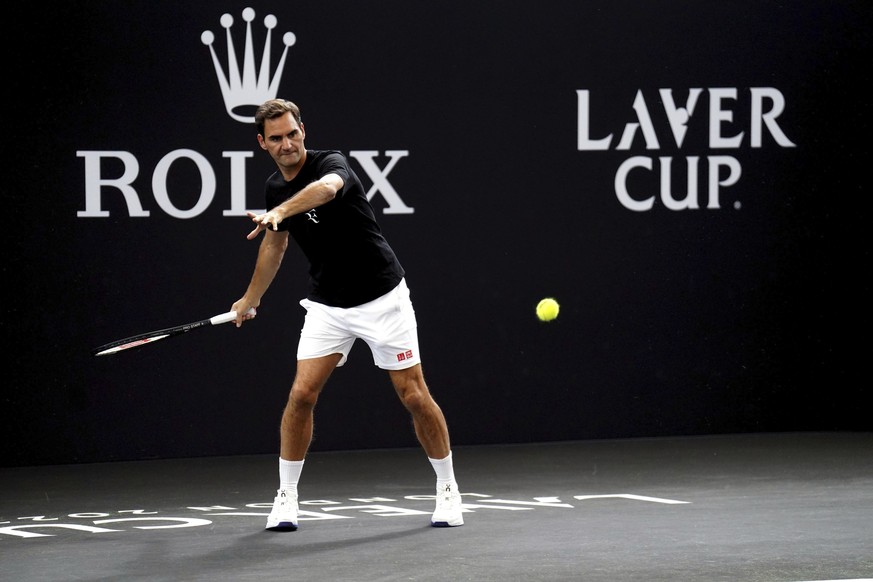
[(275, 108)]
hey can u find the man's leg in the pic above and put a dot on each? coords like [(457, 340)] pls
[(433, 434), (427, 417), (296, 435), (297, 418)]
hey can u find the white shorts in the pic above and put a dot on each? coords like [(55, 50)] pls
[(386, 324)]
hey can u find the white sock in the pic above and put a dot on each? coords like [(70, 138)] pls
[(444, 470), (289, 474)]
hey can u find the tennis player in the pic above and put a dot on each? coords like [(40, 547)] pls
[(357, 291)]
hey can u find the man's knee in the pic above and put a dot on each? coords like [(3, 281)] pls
[(302, 396), (310, 378), (413, 392)]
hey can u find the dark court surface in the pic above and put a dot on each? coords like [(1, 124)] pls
[(769, 507)]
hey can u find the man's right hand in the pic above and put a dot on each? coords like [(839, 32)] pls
[(244, 311)]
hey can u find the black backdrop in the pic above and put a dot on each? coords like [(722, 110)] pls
[(748, 317)]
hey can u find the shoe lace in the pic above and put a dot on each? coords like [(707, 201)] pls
[(444, 497)]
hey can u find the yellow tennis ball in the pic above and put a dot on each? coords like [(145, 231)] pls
[(547, 309)]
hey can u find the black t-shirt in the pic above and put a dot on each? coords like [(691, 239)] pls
[(350, 261)]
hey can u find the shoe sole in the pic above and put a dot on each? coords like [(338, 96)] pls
[(283, 526), (446, 523)]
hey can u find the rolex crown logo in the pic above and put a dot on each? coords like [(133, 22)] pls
[(244, 91)]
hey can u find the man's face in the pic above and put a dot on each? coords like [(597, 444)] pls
[(283, 140)]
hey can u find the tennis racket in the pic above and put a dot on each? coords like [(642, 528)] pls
[(136, 341)]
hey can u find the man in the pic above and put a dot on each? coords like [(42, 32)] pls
[(357, 291)]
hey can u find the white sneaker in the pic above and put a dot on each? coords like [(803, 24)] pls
[(283, 517), (448, 512)]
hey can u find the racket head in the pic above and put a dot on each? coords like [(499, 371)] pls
[(127, 344)]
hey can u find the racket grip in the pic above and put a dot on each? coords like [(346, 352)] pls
[(224, 317)]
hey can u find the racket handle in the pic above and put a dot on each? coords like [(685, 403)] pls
[(225, 317)]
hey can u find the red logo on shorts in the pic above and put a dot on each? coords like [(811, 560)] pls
[(407, 355)]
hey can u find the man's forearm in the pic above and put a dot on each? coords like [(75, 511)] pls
[(312, 196), (269, 260)]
